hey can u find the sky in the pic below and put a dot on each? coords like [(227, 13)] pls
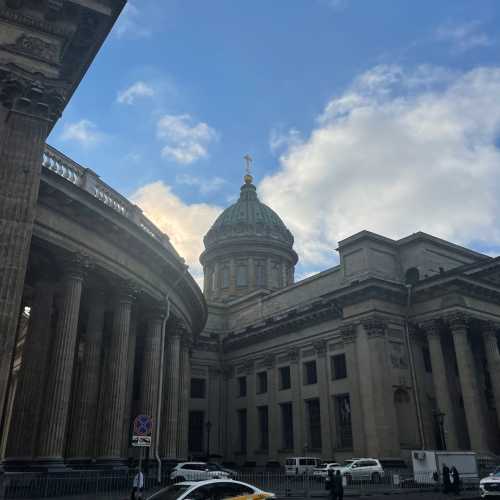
[(358, 114)]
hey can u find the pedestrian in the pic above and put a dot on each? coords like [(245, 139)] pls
[(329, 484), (455, 483), (446, 479), (138, 485), (338, 486)]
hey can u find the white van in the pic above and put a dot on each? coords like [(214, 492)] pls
[(298, 466)]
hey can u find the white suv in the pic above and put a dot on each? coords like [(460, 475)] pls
[(196, 471), (358, 469)]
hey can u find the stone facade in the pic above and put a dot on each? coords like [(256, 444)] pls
[(358, 360)]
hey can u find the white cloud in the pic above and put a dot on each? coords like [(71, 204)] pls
[(136, 90), (395, 154), (131, 23), (464, 36), (279, 140), (185, 224), (186, 142), (204, 185), (84, 132)]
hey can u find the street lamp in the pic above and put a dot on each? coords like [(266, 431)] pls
[(208, 425), (439, 416)]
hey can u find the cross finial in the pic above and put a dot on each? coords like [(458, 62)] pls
[(248, 159)]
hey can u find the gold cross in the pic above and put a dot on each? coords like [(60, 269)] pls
[(248, 160)]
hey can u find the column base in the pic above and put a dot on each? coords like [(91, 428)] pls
[(111, 463), (56, 464)]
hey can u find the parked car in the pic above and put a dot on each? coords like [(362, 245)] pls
[(215, 466), (321, 472), (214, 489), (358, 469), (196, 471), (490, 485), (298, 466)]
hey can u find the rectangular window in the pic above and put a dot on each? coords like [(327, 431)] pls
[(427, 359), (198, 388), (242, 387), (314, 421), (310, 373), (338, 365), (285, 381), (225, 277), (263, 427), (241, 275), (343, 419), (242, 427), (260, 274), (261, 382), (286, 426), (195, 436)]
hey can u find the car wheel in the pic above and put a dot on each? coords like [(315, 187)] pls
[(376, 477)]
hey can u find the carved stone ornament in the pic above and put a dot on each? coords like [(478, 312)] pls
[(348, 333), (31, 94), (76, 265), (457, 321), (431, 328), (35, 47), (294, 355), (374, 327), (320, 347), (248, 366), (269, 361), (127, 290)]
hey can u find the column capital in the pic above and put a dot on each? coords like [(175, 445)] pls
[(348, 333), (76, 265), (126, 290), (31, 94), (176, 326), (294, 355), (320, 348), (457, 321), (374, 327), (431, 328), (489, 328), (269, 360)]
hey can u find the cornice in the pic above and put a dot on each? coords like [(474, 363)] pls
[(283, 324)]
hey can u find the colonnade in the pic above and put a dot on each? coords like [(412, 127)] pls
[(81, 382), (458, 327)]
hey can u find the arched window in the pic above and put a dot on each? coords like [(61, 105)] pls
[(260, 274)]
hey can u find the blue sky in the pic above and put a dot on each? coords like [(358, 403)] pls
[(359, 114)]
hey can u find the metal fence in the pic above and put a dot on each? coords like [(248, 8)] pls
[(118, 485)]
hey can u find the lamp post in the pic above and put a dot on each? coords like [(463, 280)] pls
[(208, 425), (439, 416)]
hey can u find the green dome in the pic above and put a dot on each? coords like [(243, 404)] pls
[(248, 218)]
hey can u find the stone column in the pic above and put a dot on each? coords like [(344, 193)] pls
[(171, 394), (324, 399), (297, 403), (349, 336), (213, 408), (127, 415), (489, 332), (30, 384), (185, 385), (383, 412), (252, 420), (116, 383), (273, 413), (232, 277), (81, 446), (468, 382), (151, 371), (52, 432), (227, 408), (440, 380), (30, 112)]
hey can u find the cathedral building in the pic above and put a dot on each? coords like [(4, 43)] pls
[(393, 349)]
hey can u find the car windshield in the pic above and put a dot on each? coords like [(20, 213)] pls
[(347, 463), (290, 461), (172, 492), (496, 474), (213, 467)]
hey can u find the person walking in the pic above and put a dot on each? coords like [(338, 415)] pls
[(138, 485), (455, 483), (338, 486), (446, 479)]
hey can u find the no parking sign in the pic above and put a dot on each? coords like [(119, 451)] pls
[(141, 435)]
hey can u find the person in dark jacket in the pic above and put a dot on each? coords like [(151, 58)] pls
[(455, 476), (446, 479), (338, 486)]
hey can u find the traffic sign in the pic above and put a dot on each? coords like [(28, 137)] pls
[(141, 435)]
